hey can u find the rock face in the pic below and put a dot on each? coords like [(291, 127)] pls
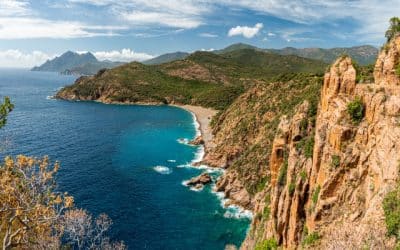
[(387, 63), (197, 141), (202, 179), (334, 183)]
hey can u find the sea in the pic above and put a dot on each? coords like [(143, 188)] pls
[(127, 161)]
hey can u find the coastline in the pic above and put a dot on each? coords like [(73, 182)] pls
[(203, 117)]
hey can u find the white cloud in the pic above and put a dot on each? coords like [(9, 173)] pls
[(22, 28), (209, 35), (124, 55), (16, 59), (245, 31), (165, 19), (13, 8)]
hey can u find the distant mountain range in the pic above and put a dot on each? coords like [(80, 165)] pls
[(73, 63), (169, 57), (87, 64), (364, 55)]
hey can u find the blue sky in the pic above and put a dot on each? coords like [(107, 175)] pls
[(32, 31)]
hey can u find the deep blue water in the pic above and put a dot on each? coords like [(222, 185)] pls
[(108, 154)]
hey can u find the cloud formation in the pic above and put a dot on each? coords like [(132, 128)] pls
[(247, 32), (124, 55), (13, 58)]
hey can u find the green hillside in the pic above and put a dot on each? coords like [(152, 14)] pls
[(203, 78)]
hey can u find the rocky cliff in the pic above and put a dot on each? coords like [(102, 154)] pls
[(325, 174)]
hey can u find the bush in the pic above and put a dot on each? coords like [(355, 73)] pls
[(311, 239), (308, 147), (316, 194), (356, 110), (269, 244), (398, 69), (283, 173), (391, 208), (335, 161), (292, 188), (303, 175)]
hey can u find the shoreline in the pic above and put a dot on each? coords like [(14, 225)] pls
[(202, 116)]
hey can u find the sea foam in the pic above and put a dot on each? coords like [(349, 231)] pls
[(162, 169)]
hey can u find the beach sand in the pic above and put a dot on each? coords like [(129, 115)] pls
[(203, 116)]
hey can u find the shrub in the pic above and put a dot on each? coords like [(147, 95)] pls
[(311, 239), (303, 175), (283, 173), (308, 147), (292, 188), (316, 194), (391, 208), (397, 69), (335, 161), (269, 244), (356, 110)]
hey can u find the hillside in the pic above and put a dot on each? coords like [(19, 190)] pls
[(165, 58), (361, 54), (316, 158), (75, 63), (203, 78)]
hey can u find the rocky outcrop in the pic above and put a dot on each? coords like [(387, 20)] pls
[(337, 178), (197, 141), (387, 63), (202, 179)]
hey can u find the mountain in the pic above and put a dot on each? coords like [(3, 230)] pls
[(236, 46), (169, 57), (203, 78), (362, 54), (75, 63)]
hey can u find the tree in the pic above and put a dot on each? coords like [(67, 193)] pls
[(394, 28), (5, 108)]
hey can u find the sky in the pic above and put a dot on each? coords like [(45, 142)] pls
[(32, 31)]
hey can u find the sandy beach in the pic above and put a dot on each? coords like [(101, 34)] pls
[(203, 116)]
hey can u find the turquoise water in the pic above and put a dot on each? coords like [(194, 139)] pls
[(109, 158)]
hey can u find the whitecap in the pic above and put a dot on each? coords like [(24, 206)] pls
[(171, 160), (183, 141), (198, 156), (162, 169), (50, 97), (237, 212), (197, 189)]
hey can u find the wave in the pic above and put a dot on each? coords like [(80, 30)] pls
[(198, 156), (183, 141), (50, 97), (196, 124), (171, 160), (232, 211), (162, 169), (237, 212)]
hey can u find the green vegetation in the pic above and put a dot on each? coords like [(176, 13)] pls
[(269, 244), (394, 28), (335, 161), (308, 147), (391, 208), (365, 74), (315, 194), (283, 173), (311, 239), (356, 110), (303, 175), (291, 188), (397, 70), (203, 78), (5, 108)]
